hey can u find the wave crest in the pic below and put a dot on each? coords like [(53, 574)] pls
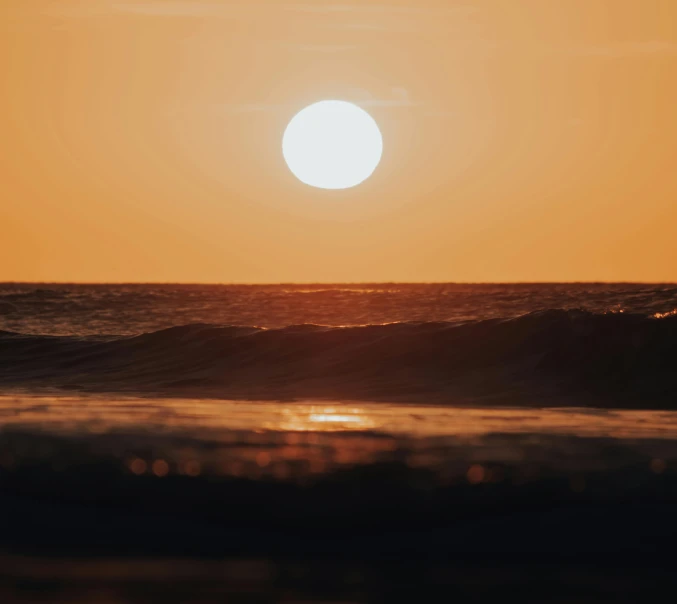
[(548, 353)]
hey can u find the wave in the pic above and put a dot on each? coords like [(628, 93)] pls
[(34, 294), (537, 358)]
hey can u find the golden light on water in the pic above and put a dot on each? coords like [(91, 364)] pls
[(160, 468), (138, 466), (476, 474), (99, 415), (285, 441), (324, 419)]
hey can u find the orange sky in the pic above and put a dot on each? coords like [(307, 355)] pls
[(529, 140)]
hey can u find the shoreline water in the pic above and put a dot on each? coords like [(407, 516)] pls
[(482, 436), (206, 500)]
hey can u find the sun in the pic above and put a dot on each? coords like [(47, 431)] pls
[(332, 145)]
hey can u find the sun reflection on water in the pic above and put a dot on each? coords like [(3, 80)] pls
[(303, 418), (288, 440), (103, 415)]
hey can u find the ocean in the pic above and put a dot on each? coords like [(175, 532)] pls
[(201, 442), (558, 344), (79, 310)]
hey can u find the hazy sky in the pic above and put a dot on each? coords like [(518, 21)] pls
[(530, 140)]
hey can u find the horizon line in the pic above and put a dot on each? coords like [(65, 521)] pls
[(306, 283)]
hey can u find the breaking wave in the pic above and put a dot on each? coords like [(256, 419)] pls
[(623, 357)]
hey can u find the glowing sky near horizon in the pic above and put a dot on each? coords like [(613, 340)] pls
[(525, 141)]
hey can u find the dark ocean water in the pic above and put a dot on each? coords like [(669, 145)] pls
[(348, 443), (137, 309), (601, 344)]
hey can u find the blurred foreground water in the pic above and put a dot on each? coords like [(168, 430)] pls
[(127, 499)]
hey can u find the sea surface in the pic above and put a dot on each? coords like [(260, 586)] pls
[(136, 309), (336, 443), (553, 344)]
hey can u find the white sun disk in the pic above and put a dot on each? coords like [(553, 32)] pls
[(332, 145)]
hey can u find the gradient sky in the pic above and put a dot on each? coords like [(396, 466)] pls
[(531, 140)]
